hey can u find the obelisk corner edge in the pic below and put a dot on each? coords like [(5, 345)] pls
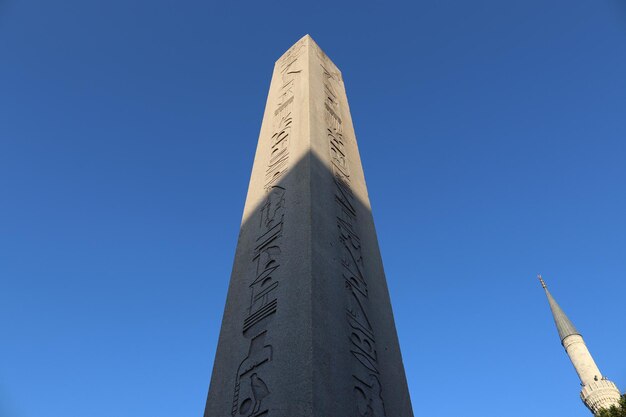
[(308, 42)]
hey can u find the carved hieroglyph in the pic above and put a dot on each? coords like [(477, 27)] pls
[(308, 328)]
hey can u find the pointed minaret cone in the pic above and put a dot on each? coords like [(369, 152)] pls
[(563, 325), (598, 392)]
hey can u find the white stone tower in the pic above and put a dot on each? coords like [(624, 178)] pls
[(598, 392)]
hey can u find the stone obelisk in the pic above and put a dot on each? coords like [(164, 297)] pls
[(308, 329)]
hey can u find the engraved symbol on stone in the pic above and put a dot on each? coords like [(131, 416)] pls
[(258, 355), (362, 402), (376, 403), (263, 302), (268, 261), (338, 156), (345, 198), (369, 399), (285, 98), (333, 76), (261, 306), (290, 68), (259, 391), (291, 56), (279, 150), (245, 406), (331, 84), (273, 210), (331, 101), (361, 337), (291, 53)]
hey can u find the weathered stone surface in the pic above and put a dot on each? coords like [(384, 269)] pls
[(308, 328)]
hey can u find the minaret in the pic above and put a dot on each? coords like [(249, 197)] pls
[(598, 392)]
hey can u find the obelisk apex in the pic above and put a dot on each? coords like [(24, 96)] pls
[(597, 392), (308, 329)]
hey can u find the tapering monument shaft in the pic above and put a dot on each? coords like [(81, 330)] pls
[(308, 329)]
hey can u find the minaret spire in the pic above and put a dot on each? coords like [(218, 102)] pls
[(563, 324), (598, 392), (543, 284)]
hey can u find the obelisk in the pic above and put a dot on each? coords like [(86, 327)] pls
[(308, 329)]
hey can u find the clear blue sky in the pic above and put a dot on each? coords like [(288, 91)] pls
[(493, 137)]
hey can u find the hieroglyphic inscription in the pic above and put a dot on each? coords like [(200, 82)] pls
[(366, 382), (252, 385), (280, 151), (289, 67)]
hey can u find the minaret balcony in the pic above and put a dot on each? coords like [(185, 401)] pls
[(600, 394)]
